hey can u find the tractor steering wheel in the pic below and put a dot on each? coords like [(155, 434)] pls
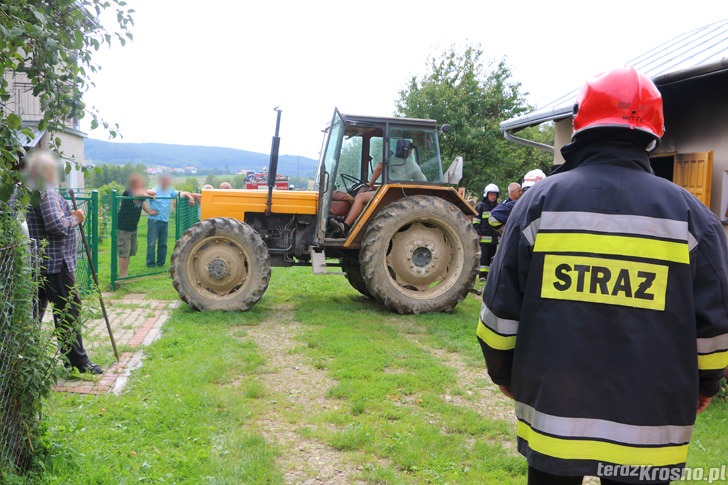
[(356, 183)]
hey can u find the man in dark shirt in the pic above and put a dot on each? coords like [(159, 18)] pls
[(53, 225), (130, 211)]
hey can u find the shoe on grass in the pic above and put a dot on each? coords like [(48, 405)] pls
[(90, 368)]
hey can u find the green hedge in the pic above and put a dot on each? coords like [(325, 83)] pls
[(28, 355)]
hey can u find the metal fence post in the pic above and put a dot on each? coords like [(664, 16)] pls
[(95, 227), (114, 253), (177, 218)]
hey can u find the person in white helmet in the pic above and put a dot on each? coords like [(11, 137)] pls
[(499, 215), (530, 179), (488, 236)]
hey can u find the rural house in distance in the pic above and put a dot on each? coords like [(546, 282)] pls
[(691, 71), (24, 104)]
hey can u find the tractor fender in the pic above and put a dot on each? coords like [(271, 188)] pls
[(390, 193)]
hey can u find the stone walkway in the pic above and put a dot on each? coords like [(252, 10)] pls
[(136, 323)]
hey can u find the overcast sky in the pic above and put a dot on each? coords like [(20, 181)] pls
[(211, 72)]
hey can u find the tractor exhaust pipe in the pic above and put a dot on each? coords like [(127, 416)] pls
[(273, 163)]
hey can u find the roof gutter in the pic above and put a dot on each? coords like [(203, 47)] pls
[(689, 74), (508, 134)]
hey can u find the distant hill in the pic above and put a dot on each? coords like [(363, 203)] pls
[(202, 157)]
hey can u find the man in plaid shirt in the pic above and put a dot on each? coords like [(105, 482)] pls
[(53, 225)]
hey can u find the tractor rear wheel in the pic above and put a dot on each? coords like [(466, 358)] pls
[(352, 271), (220, 264), (420, 254)]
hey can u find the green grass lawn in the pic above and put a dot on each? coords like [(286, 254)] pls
[(190, 413)]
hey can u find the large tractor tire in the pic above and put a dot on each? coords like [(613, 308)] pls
[(220, 264), (352, 271), (420, 254)]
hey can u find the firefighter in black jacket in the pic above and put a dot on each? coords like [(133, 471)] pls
[(488, 235), (605, 315)]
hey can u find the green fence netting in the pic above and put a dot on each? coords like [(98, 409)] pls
[(88, 202), (182, 217)]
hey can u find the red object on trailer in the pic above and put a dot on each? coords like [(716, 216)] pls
[(256, 184)]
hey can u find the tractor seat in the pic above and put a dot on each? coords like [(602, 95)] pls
[(340, 204)]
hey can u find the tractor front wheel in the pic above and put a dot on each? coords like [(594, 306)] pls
[(220, 264), (420, 254)]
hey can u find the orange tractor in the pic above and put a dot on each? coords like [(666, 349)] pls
[(412, 248)]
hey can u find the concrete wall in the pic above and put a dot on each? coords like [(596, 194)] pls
[(562, 136), (72, 148), (696, 119)]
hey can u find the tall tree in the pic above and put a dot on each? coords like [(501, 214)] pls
[(51, 43), (474, 97)]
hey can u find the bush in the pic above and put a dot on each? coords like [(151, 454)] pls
[(106, 174), (27, 359), (105, 192), (723, 393), (191, 184)]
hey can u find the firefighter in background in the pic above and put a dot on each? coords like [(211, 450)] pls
[(605, 317), (500, 214), (488, 235)]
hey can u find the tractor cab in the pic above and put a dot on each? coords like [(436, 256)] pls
[(400, 151)]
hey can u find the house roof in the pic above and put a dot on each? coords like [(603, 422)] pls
[(32, 140), (696, 53)]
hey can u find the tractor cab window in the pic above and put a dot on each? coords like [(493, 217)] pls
[(350, 162), (414, 156), (332, 147), (326, 181), (361, 151), (376, 154)]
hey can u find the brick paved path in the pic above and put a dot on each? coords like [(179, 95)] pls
[(136, 323)]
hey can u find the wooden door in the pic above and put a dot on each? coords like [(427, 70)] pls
[(694, 172)]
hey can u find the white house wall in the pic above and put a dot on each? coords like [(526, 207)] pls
[(72, 149)]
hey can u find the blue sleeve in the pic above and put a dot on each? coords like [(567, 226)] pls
[(501, 212)]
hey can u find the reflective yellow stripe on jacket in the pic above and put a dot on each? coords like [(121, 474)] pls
[(615, 235), (713, 353), (602, 440), (497, 333), (608, 244), (570, 449)]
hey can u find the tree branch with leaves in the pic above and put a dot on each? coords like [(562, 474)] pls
[(50, 44), (474, 96)]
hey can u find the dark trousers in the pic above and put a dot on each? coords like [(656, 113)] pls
[(487, 252), (537, 477), (59, 289), (157, 232)]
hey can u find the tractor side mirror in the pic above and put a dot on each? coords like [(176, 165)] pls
[(445, 128)]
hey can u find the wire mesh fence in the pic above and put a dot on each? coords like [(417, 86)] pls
[(185, 216), (136, 251), (19, 323), (88, 202)]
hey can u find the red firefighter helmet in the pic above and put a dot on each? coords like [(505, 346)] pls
[(621, 98)]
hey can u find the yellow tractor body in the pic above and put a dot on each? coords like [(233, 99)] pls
[(237, 203)]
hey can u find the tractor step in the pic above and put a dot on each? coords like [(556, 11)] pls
[(318, 263)]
